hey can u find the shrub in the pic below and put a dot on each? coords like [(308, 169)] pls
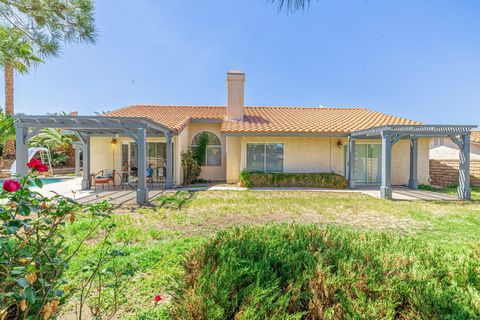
[(306, 180), (245, 179), (33, 249), (308, 272), (191, 168)]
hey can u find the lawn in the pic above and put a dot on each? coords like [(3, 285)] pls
[(452, 190), (157, 240)]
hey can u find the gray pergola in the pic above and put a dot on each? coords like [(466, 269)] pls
[(87, 126), (391, 134)]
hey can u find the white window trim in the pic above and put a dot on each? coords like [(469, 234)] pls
[(265, 155)]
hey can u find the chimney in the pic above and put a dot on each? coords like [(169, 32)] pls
[(235, 94)]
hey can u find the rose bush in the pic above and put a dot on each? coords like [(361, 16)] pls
[(33, 253)]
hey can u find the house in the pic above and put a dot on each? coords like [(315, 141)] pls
[(368, 147), (444, 160), (446, 149)]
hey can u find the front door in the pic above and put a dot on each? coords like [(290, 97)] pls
[(368, 163)]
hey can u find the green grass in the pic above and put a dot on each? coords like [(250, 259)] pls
[(452, 190), (158, 239), (306, 272)]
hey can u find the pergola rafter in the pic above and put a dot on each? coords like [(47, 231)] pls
[(27, 126), (391, 134)]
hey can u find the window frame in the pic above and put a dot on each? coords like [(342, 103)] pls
[(193, 146), (265, 156)]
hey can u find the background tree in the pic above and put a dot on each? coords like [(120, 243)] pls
[(290, 5), (60, 144), (15, 54), (31, 29)]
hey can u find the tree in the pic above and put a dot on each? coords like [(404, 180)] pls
[(290, 5), (16, 53), (48, 23), (30, 29), (55, 141)]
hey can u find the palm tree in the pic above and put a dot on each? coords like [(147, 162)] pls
[(290, 5), (16, 54), (55, 141)]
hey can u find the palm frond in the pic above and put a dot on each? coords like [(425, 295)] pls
[(290, 5)]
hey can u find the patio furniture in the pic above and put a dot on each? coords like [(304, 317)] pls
[(104, 177)]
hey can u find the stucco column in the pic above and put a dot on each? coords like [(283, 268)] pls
[(169, 178), (413, 181), (21, 151), (142, 191), (77, 160), (351, 163), (464, 190), (86, 163), (232, 158), (386, 187)]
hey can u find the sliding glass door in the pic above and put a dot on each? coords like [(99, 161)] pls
[(368, 163), (156, 159)]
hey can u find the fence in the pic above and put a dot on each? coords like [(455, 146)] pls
[(445, 172)]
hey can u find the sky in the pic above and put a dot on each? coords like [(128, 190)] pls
[(415, 59)]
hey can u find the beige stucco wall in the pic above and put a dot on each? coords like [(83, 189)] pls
[(323, 154), (303, 154), (233, 158), (215, 173), (401, 162)]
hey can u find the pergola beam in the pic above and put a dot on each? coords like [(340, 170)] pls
[(87, 126), (390, 134)]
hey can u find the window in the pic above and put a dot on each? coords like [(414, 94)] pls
[(437, 142), (213, 150), (265, 157)]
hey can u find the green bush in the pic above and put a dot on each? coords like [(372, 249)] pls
[(306, 180), (308, 272)]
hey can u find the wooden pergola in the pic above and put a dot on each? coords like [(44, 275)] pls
[(27, 126), (391, 134)]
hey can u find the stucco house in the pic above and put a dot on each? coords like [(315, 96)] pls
[(446, 149), (367, 147)]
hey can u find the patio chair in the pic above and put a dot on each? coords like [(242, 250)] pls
[(104, 177)]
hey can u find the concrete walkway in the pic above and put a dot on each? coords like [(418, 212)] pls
[(127, 197)]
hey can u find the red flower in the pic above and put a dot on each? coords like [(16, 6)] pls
[(11, 185), (42, 167), (33, 163), (157, 298), (36, 164)]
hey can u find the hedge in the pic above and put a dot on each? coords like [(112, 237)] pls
[(306, 180), (307, 272)]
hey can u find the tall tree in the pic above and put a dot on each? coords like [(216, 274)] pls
[(290, 5), (37, 28), (16, 53)]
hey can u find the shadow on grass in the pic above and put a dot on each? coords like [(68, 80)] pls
[(176, 201)]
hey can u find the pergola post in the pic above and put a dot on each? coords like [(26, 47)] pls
[(142, 191), (169, 178), (351, 163), (386, 187), (413, 180), (77, 147), (464, 190), (21, 151), (86, 162)]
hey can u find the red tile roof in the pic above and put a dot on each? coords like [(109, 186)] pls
[(267, 119)]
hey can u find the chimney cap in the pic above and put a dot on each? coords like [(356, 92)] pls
[(236, 72)]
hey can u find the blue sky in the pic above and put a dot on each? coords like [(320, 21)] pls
[(415, 59)]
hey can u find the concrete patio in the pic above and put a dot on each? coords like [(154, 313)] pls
[(127, 197)]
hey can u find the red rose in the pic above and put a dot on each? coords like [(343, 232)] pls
[(33, 163), (41, 167), (11, 185), (158, 298)]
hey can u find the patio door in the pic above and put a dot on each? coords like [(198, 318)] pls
[(368, 163), (156, 159)]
